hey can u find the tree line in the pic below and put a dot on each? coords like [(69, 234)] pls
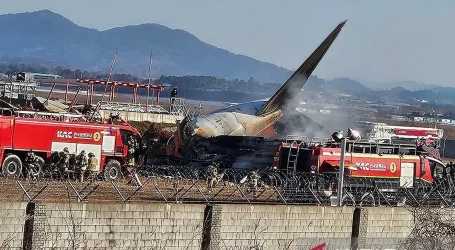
[(201, 83), (211, 83), (66, 73)]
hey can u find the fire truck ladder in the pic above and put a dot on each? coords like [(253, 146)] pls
[(295, 141), (292, 160)]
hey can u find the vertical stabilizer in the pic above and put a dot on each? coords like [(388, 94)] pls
[(294, 84)]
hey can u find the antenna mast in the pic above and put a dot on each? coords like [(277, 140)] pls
[(112, 92), (105, 88), (150, 81)]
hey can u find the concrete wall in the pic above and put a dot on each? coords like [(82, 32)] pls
[(115, 226), (273, 227), (104, 226), (384, 226), (138, 116), (12, 217), (190, 226)]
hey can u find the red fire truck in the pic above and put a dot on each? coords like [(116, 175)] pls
[(382, 165), (108, 142), (405, 165)]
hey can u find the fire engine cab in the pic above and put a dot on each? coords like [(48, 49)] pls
[(108, 142)]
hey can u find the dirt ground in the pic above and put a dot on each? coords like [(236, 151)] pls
[(153, 190)]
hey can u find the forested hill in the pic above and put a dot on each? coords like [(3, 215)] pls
[(49, 37)]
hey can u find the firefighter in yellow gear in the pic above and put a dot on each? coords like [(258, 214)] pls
[(212, 173), (82, 160), (82, 163), (131, 150), (92, 163), (31, 163), (253, 178), (64, 159)]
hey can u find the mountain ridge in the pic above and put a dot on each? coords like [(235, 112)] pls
[(175, 51)]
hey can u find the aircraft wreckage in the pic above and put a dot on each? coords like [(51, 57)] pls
[(239, 130)]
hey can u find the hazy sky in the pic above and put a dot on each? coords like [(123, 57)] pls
[(384, 40)]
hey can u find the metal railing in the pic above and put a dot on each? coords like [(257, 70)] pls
[(131, 107), (179, 106), (17, 90), (51, 116)]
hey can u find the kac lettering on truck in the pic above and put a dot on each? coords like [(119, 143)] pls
[(64, 134)]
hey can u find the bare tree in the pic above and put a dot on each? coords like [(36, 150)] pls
[(77, 237), (285, 244), (434, 228), (254, 242)]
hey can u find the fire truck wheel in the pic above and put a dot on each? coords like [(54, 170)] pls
[(12, 166), (113, 170)]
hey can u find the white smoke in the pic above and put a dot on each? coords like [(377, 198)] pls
[(294, 122), (298, 122)]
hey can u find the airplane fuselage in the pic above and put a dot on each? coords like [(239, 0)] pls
[(250, 119), (239, 120)]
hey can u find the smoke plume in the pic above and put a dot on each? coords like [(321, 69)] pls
[(297, 122)]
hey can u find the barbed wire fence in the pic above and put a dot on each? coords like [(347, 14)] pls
[(189, 183)]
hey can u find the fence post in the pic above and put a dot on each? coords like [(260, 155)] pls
[(207, 228), (211, 228), (359, 228), (27, 241), (34, 227)]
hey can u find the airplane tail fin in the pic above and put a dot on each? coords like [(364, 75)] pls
[(294, 84)]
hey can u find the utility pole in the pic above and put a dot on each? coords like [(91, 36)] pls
[(111, 95), (112, 90), (341, 172), (150, 82)]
